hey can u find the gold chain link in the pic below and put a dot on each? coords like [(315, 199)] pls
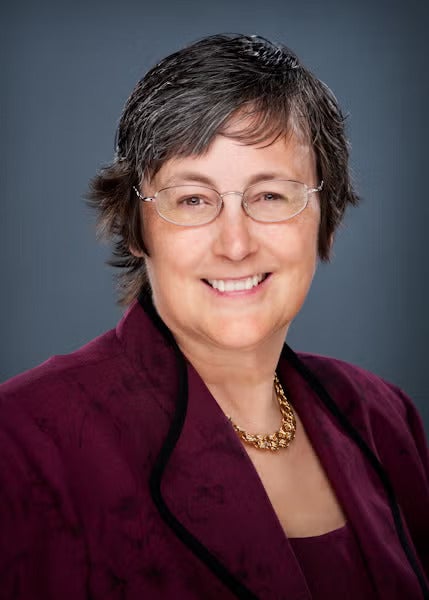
[(279, 439)]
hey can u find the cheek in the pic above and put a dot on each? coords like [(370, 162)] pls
[(299, 242), (309, 233), (175, 254)]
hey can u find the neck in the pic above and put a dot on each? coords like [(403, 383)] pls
[(241, 380)]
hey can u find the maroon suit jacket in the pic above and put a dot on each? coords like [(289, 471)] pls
[(121, 478)]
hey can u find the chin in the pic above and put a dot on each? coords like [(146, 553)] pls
[(238, 335)]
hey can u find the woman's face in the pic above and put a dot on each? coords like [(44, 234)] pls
[(183, 259)]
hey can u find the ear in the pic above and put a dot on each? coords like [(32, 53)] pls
[(135, 252)]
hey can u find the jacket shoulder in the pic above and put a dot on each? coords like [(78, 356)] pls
[(98, 390), (354, 387), (65, 371), (383, 414), (58, 394)]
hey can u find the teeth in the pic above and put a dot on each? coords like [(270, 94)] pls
[(236, 285)]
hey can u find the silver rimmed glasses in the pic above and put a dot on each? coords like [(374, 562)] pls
[(269, 201)]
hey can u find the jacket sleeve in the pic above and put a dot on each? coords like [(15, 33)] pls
[(42, 551), (406, 457), (418, 433)]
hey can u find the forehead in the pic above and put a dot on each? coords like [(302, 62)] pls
[(229, 162)]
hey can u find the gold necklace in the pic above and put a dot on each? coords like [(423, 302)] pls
[(279, 439)]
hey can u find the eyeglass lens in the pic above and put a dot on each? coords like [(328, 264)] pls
[(266, 201)]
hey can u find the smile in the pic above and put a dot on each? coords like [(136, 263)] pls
[(237, 285)]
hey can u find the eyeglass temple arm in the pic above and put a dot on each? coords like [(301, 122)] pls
[(318, 189), (144, 198)]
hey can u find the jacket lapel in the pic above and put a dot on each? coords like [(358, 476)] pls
[(356, 484), (213, 489)]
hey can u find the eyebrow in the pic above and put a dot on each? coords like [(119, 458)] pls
[(183, 177)]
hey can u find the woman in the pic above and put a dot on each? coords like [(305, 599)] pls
[(189, 453)]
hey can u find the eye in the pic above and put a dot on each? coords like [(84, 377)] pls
[(268, 197), (194, 201), (189, 201)]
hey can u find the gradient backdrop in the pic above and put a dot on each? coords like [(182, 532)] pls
[(68, 69)]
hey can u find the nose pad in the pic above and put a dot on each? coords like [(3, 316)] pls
[(245, 206)]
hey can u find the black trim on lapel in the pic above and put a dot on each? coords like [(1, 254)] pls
[(200, 551), (185, 536), (319, 389)]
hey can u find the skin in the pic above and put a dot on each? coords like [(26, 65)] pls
[(234, 340)]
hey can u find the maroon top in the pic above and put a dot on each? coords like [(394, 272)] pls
[(333, 565), (121, 478)]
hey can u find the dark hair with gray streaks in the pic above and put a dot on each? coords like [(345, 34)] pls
[(190, 97)]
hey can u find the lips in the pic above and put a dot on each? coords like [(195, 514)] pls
[(237, 285)]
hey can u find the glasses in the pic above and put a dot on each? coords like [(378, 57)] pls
[(267, 202)]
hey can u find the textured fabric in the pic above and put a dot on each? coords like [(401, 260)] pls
[(79, 441), (333, 565)]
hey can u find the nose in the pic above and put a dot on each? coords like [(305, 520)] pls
[(235, 239)]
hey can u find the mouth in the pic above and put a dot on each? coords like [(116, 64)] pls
[(237, 285)]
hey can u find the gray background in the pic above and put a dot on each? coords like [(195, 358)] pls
[(68, 69)]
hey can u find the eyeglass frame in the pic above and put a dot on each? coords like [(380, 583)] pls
[(244, 205)]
